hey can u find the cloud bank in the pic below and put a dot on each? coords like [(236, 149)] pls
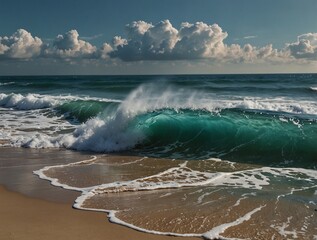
[(164, 42), (157, 42)]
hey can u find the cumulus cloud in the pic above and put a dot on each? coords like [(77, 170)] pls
[(305, 47), (154, 42), (250, 54), (69, 45), (105, 51), (200, 40), (162, 41), (145, 41), (21, 45)]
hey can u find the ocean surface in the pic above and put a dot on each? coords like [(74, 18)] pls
[(215, 156)]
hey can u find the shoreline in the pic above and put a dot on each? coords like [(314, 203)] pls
[(32, 208)]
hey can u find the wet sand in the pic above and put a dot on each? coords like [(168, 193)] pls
[(31, 208)]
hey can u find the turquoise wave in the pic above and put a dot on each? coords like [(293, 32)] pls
[(82, 110), (234, 134)]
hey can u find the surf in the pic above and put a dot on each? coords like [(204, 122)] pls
[(161, 121)]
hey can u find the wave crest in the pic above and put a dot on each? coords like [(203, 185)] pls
[(162, 122), (28, 102), (38, 101)]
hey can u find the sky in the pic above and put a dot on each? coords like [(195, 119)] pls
[(41, 37)]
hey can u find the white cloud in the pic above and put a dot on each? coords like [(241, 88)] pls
[(200, 40), (145, 41), (69, 45), (21, 45), (305, 47), (252, 54), (118, 41), (162, 41), (3, 48), (105, 50)]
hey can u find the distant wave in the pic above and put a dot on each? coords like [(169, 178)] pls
[(150, 97), (37, 101), (313, 89), (30, 101), (7, 83)]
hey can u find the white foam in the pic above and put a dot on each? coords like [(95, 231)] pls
[(132, 162), (25, 122), (239, 201), (150, 97), (114, 219), (96, 134), (165, 180), (169, 179), (7, 83), (282, 229), (55, 181), (215, 233), (29, 101), (313, 88), (38, 101), (232, 164), (165, 195), (201, 198), (20, 127)]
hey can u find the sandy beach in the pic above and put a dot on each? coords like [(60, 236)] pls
[(29, 218), (31, 208)]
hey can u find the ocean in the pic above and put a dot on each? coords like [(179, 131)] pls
[(212, 156)]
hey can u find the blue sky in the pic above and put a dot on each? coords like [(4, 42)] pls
[(256, 23)]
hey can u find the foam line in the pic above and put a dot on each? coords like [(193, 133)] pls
[(216, 231), (55, 182)]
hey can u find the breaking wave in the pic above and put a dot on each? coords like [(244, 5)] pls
[(181, 124)]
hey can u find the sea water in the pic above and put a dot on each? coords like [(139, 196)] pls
[(216, 156)]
